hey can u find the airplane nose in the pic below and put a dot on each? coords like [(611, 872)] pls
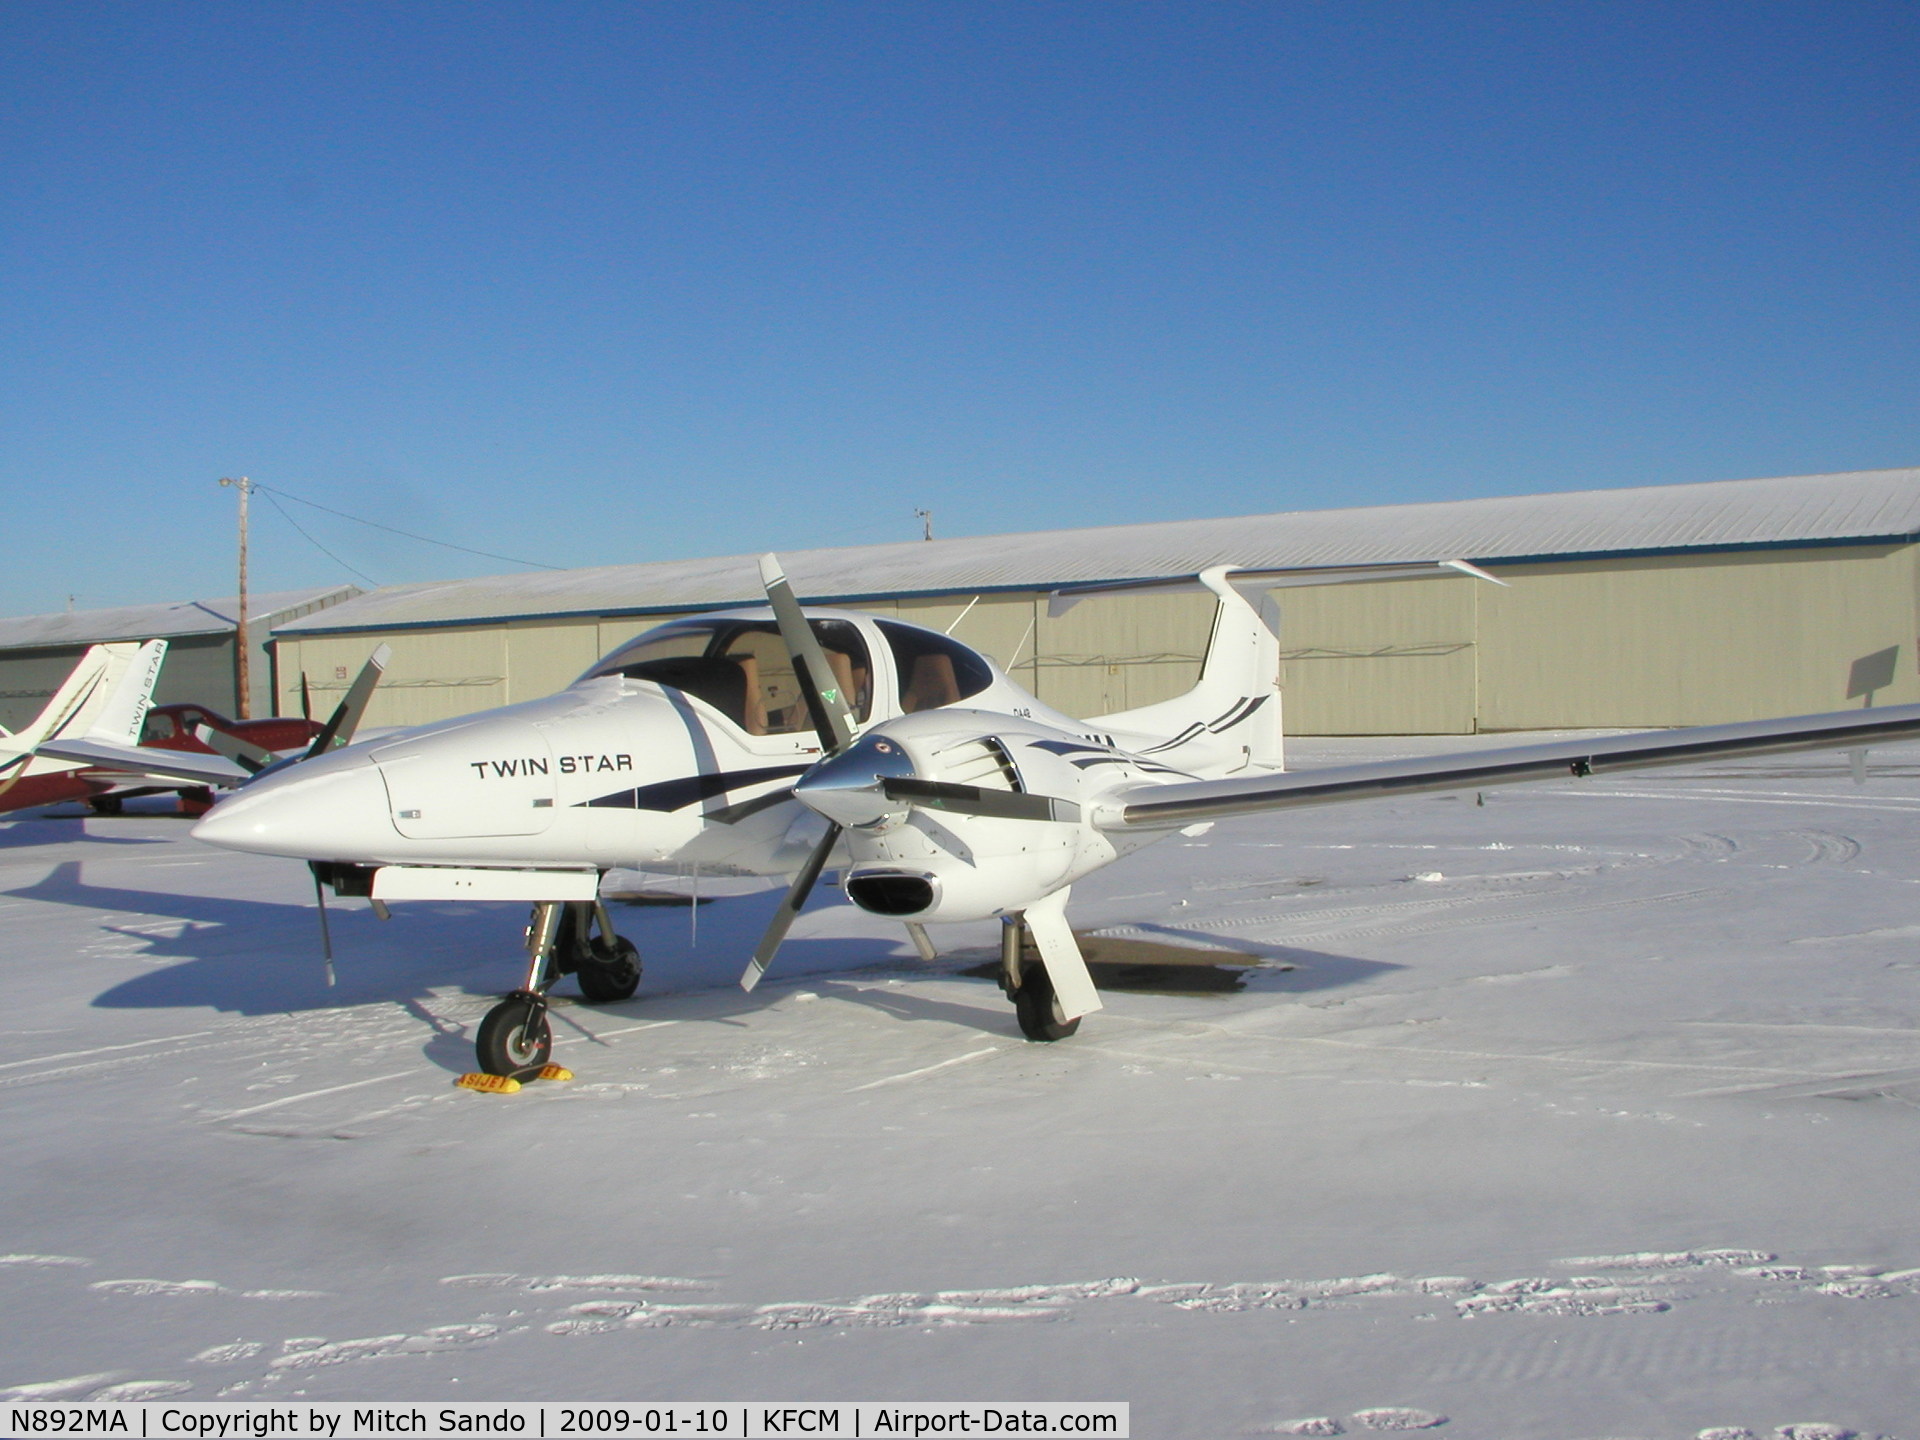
[(333, 808)]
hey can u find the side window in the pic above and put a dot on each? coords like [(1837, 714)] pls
[(158, 727), (775, 705), (934, 670)]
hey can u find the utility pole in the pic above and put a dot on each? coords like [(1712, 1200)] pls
[(926, 519), (242, 678)]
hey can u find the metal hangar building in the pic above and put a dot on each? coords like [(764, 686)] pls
[(37, 652), (1655, 606)]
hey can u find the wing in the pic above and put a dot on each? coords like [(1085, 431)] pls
[(202, 769), (1182, 802)]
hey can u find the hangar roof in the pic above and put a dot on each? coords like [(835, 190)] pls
[(168, 621), (1797, 510)]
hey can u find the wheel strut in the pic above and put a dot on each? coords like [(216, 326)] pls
[(515, 1038), (1012, 938)]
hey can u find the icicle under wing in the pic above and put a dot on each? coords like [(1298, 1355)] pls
[(1182, 802)]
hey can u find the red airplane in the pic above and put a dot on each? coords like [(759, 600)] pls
[(109, 692)]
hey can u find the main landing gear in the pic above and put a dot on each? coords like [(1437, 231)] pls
[(1028, 985), (515, 1039)]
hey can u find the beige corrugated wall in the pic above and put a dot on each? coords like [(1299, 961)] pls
[(1670, 640), (1690, 640)]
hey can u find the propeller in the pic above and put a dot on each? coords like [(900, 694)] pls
[(326, 934), (874, 778), (973, 800), (859, 782), (338, 730), (244, 753), (832, 717), (830, 709)]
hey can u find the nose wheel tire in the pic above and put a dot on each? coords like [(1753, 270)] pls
[(514, 1038), (1036, 1008), (609, 972)]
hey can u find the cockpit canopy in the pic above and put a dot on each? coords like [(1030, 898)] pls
[(741, 668)]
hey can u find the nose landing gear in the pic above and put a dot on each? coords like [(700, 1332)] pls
[(515, 1040), (1027, 984)]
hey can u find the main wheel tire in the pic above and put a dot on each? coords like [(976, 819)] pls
[(514, 1039), (106, 805), (1037, 1010), (610, 972)]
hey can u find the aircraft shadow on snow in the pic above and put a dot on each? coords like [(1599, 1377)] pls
[(25, 830), (260, 957)]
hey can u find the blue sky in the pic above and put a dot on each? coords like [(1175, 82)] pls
[(597, 283)]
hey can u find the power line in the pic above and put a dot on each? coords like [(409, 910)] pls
[(274, 501), (391, 530)]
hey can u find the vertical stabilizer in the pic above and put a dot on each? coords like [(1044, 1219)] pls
[(1230, 719), (123, 711), (79, 701)]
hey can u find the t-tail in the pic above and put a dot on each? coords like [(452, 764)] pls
[(1230, 721), (86, 695), (108, 680)]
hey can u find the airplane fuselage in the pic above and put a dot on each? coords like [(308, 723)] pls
[(632, 770)]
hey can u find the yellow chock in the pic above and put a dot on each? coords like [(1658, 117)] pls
[(554, 1072), (488, 1084)]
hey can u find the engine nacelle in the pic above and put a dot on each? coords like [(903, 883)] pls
[(944, 887), (929, 862)]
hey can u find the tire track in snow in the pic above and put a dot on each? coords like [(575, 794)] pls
[(1598, 1296), (1281, 927)]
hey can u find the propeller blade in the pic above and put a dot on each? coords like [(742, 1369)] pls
[(326, 935), (244, 753), (782, 922), (974, 800), (345, 719), (306, 698), (832, 711)]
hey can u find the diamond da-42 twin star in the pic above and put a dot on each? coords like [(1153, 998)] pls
[(776, 742)]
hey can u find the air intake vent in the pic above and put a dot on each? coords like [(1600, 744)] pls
[(983, 762), (886, 892)]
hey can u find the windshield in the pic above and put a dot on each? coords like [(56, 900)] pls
[(741, 668)]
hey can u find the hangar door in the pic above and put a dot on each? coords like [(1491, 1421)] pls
[(1386, 658)]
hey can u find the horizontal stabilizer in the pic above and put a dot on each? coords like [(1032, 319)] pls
[(1256, 581), (1183, 802)]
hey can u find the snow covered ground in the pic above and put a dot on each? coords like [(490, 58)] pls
[(1589, 1111)]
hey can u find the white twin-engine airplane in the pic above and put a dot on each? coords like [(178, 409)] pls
[(770, 742)]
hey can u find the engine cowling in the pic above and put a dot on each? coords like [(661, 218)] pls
[(996, 824), (943, 887)]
